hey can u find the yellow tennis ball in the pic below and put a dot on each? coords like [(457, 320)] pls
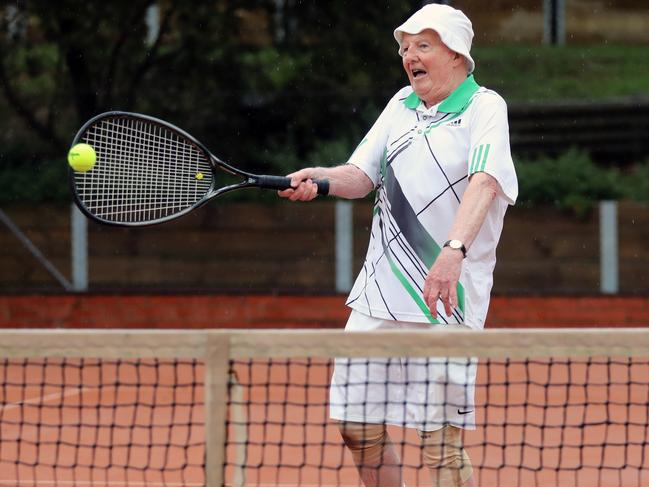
[(82, 157), (199, 175)]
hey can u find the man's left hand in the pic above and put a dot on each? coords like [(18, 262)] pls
[(441, 281)]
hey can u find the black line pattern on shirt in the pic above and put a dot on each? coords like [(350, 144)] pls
[(441, 169), (386, 244), (399, 238), (419, 240), (384, 302), (441, 194), (393, 155), (387, 205), (396, 141), (383, 198), (438, 119), (397, 234), (387, 247), (368, 275), (367, 299), (361, 292), (396, 238)]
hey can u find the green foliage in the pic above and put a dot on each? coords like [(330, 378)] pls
[(270, 96), (570, 182), (44, 181), (332, 153), (637, 182), (274, 71), (570, 72)]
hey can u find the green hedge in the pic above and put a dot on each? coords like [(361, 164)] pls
[(571, 72), (571, 182), (38, 182)]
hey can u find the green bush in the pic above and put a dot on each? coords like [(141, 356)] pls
[(570, 182), (637, 182), (35, 183), (571, 72)]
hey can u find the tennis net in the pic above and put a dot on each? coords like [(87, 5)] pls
[(243, 408)]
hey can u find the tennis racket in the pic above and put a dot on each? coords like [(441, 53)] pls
[(149, 171)]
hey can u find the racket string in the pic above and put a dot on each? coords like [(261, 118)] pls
[(144, 172)]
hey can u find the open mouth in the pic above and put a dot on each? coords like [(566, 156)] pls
[(418, 73)]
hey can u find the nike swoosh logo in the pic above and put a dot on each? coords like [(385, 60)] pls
[(464, 412)]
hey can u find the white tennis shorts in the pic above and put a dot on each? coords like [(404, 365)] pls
[(422, 393)]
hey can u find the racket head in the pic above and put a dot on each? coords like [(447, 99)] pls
[(147, 171)]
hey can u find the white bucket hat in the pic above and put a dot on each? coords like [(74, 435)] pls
[(454, 28)]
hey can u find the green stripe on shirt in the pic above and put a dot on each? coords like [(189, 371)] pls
[(411, 290), (484, 159), (414, 233), (472, 167), (479, 159)]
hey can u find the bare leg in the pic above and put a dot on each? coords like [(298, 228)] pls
[(374, 454), (470, 482), (449, 463), (387, 473)]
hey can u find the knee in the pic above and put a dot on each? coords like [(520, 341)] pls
[(365, 441), (445, 456)]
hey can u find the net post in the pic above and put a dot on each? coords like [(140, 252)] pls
[(217, 362)]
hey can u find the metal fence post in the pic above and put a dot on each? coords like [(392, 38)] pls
[(79, 249), (344, 245), (554, 22), (608, 251)]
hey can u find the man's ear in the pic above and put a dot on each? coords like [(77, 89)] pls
[(459, 58)]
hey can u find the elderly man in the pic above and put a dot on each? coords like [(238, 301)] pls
[(439, 159)]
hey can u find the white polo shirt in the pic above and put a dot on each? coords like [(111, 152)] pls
[(420, 161)]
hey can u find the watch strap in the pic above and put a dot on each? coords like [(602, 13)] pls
[(456, 247)]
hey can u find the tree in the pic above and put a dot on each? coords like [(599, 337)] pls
[(266, 84), (73, 59)]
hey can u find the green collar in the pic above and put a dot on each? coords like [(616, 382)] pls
[(455, 102)]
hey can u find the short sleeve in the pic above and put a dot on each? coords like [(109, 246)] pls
[(489, 149), (371, 151)]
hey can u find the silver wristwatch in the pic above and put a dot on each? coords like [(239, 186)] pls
[(456, 245)]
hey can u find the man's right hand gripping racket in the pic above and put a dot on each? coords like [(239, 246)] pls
[(148, 171)]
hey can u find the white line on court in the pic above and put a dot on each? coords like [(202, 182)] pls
[(70, 391)]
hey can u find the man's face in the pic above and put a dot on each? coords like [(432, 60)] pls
[(428, 63)]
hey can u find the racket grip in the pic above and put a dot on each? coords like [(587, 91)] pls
[(280, 183)]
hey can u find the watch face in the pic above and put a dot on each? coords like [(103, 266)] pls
[(455, 244)]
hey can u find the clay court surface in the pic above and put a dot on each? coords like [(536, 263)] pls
[(542, 423)]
